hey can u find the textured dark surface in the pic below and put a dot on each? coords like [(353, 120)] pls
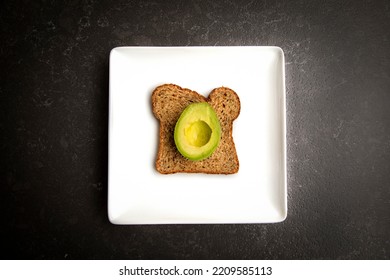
[(53, 127)]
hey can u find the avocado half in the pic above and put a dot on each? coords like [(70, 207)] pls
[(197, 131)]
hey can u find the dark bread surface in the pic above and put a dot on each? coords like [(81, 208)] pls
[(168, 102)]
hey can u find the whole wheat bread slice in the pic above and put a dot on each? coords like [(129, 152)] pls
[(168, 102)]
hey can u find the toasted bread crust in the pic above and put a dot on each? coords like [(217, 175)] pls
[(168, 102)]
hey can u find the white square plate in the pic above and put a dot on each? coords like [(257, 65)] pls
[(138, 194)]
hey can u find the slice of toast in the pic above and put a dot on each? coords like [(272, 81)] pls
[(168, 102)]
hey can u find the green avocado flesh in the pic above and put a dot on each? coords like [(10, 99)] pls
[(197, 132)]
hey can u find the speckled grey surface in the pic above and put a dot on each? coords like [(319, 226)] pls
[(53, 127)]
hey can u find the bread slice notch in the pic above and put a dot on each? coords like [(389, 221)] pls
[(168, 102)]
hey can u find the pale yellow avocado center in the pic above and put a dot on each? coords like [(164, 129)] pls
[(198, 133)]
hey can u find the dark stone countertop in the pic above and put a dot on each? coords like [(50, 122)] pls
[(54, 116)]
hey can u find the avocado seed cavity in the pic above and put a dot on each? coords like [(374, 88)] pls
[(198, 133)]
